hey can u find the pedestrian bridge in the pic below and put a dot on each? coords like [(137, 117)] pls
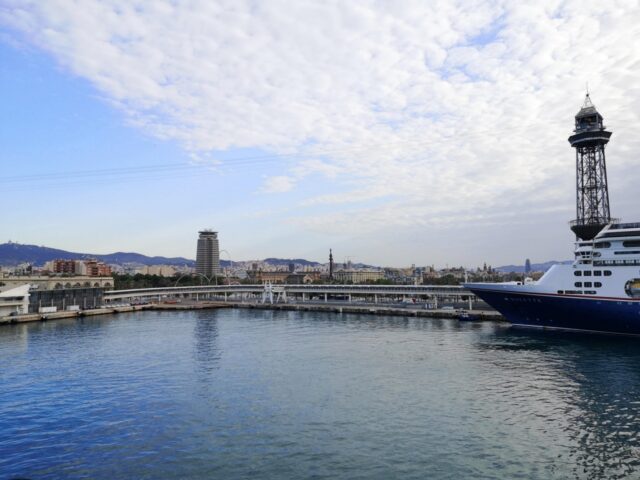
[(300, 293)]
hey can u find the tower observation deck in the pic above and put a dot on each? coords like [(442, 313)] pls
[(592, 194)]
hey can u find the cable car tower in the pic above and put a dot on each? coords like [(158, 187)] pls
[(592, 194)]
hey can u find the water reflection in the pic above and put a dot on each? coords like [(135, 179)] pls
[(587, 386), (205, 332), (258, 394)]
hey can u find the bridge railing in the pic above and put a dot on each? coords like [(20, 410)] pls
[(410, 290)]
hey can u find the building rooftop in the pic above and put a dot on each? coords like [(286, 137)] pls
[(20, 291), (588, 108)]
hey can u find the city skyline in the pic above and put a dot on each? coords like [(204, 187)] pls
[(439, 135)]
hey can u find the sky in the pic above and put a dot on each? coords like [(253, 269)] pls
[(394, 132)]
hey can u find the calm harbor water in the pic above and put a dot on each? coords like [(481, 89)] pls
[(271, 395)]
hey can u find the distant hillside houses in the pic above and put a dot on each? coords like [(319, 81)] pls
[(90, 268)]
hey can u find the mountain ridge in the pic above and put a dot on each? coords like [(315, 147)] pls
[(13, 254), (535, 267)]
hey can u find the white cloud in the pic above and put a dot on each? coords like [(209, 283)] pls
[(452, 108), (277, 184)]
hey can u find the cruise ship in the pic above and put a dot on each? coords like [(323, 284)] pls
[(600, 290)]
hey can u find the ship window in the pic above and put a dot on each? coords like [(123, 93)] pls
[(607, 273), (590, 292), (587, 284), (577, 273), (631, 243), (602, 245), (597, 273), (627, 252), (632, 288), (628, 233), (587, 273), (617, 226), (597, 284), (560, 292), (578, 284)]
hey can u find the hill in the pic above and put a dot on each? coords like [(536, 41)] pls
[(283, 262), (12, 254), (536, 267)]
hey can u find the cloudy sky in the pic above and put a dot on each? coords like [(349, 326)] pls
[(399, 132)]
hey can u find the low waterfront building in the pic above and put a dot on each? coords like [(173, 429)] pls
[(299, 278), (28, 298), (260, 276), (358, 276), (43, 282), (295, 278), (82, 298), (14, 301)]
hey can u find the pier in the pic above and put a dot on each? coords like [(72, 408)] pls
[(426, 296), (394, 300)]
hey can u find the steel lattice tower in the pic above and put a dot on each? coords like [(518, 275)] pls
[(592, 194)]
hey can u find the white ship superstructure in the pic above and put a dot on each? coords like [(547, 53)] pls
[(600, 290)]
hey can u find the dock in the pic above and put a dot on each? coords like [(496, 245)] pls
[(369, 309), (482, 315)]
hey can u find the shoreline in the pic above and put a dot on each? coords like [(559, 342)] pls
[(482, 315)]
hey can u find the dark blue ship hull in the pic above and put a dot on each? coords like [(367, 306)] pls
[(564, 312)]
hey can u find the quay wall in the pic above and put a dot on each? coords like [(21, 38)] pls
[(486, 315)]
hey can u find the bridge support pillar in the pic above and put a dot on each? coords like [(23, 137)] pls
[(225, 296), (304, 297), (470, 303), (349, 298), (375, 298), (325, 298)]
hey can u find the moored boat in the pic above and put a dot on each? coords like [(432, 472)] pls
[(600, 291)]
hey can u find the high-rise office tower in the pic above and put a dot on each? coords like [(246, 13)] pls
[(208, 254)]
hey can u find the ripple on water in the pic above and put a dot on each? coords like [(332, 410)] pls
[(239, 394)]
